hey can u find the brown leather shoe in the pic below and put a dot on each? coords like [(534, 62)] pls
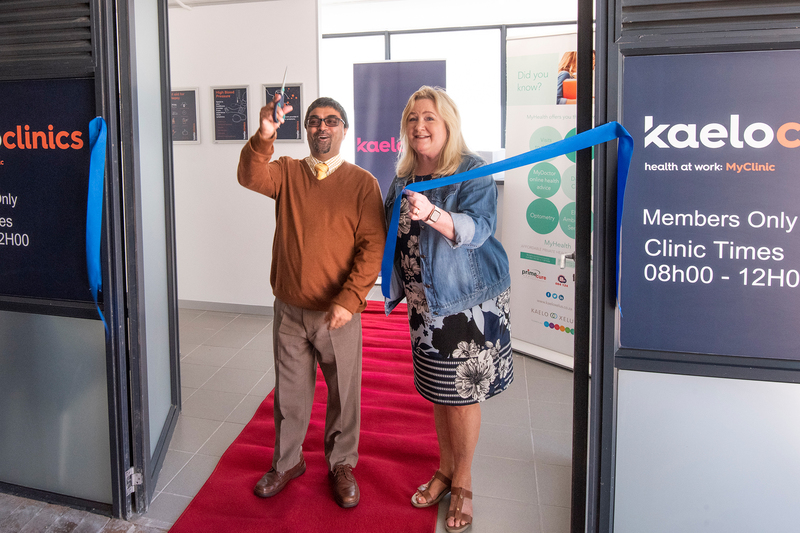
[(345, 488), (273, 482)]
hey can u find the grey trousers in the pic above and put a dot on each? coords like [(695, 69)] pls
[(301, 340)]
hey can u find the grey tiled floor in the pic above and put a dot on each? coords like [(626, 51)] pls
[(521, 471), (21, 515)]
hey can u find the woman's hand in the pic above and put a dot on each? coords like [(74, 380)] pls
[(419, 207)]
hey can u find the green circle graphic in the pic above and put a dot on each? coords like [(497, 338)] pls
[(544, 180), (544, 136), (568, 182), (572, 155), (567, 220), (542, 216)]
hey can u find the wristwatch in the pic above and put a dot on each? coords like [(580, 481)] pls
[(434, 216)]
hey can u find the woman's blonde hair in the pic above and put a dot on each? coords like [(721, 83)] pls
[(569, 63), (454, 147)]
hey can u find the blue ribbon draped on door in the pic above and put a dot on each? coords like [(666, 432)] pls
[(94, 208)]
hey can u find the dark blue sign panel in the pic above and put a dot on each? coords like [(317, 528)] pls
[(44, 177), (711, 227), (381, 91)]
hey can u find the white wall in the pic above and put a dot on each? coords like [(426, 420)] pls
[(224, 232)]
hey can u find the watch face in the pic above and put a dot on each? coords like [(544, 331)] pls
[(435, 214)]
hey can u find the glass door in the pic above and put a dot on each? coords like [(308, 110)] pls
[(150, 248)]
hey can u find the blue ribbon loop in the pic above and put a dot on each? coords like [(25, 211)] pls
[(606, 132), (94, 207)]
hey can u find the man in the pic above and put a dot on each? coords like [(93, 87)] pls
[(326, 256)]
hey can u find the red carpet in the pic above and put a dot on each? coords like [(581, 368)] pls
[(397, 452)]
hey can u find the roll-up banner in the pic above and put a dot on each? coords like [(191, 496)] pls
[(539, 201), (381, 91), (44, 179), (710, 249)]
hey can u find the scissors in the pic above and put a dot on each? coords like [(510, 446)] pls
[(279, 103)]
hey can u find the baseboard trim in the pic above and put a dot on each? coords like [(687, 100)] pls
[(542, 353), (266, 310)]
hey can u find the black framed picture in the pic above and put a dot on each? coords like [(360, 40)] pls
[(292, 129), (230, 114), (184, 117)]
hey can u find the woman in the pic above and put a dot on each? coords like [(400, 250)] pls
[(454, 275), (567, 70)]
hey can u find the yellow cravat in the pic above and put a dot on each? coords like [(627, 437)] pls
[(322, 170)]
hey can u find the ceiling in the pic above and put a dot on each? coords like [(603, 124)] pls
[(192, 3), (352, 16)]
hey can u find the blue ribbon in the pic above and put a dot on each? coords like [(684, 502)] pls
[(598, 135), (94, 207)]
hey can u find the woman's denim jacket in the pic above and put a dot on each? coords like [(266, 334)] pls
[(462, 274)]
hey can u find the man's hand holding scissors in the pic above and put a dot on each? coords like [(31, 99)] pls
[(272, 115), (268, 124)]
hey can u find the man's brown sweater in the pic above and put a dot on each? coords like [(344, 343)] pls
[(329, 234)]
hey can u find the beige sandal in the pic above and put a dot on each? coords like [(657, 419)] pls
[(424, 491), (458, 495)]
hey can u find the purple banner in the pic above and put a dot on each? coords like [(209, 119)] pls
[(381, 91)]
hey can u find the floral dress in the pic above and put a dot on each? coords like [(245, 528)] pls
[(462, 358)]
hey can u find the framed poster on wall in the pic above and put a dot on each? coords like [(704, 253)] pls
[(292, 129), (230, 114), (184, 118)]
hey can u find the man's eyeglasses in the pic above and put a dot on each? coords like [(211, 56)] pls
[(331, 121)]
